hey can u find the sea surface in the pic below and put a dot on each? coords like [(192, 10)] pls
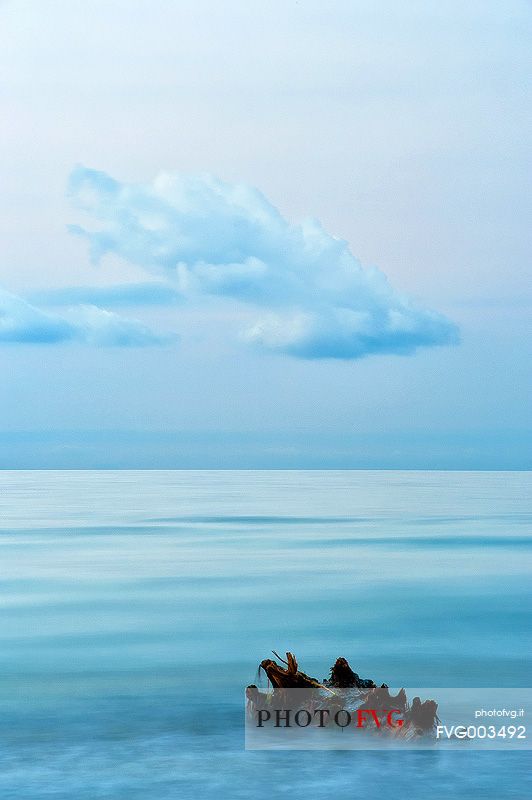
[(136, 606)]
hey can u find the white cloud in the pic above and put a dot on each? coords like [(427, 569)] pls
[(312, 297), (23, 323)]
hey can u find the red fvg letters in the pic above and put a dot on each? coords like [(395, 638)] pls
[(363, 714)]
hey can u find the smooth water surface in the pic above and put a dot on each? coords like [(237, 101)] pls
[(136, 606)]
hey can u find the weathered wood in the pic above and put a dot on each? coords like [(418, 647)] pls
[(343, 677), (289, 678), (418, 718)]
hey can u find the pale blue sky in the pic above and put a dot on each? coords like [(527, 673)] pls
[(403, 128)]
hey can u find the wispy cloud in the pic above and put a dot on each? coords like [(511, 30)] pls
[(23, 323), (122, 295), (312, 297)]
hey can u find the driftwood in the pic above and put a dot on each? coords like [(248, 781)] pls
[(289, 678), (343, 677), (418, 718)]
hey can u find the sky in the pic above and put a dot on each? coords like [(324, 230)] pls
[(265, 234)]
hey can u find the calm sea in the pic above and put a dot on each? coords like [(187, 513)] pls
[(136, 606)]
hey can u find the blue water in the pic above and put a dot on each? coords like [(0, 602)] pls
[(137, 605)]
